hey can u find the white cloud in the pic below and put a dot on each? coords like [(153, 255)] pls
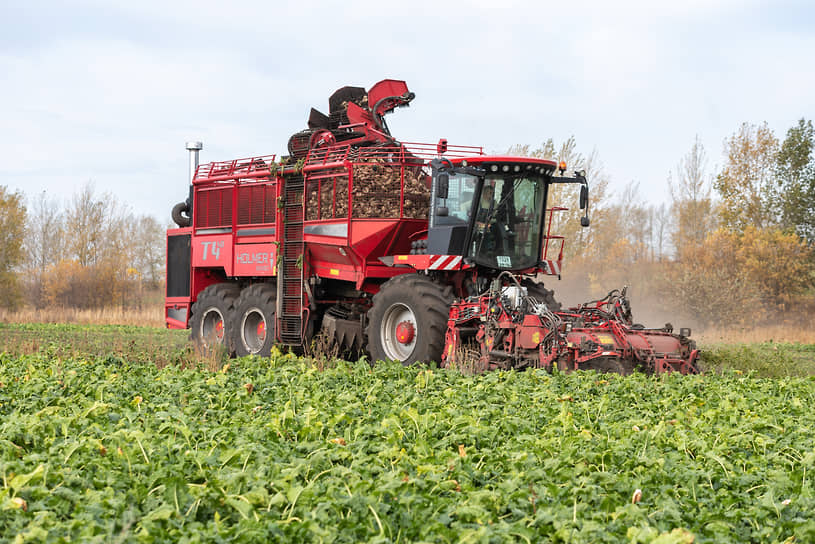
[(112, 92)]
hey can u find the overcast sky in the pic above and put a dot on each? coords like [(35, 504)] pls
[(110, 91)]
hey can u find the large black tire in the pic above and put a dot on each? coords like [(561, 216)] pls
[(253, 325), (541, 294), (211, 318), (181, 214), (421, 307)]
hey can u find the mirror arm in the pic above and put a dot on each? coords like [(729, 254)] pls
[(581, 179)]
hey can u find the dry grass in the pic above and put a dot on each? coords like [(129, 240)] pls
[(467, 360), (803, 333), (160, 347), (149, 316), (214, 358), (322, 352), (151, 342)]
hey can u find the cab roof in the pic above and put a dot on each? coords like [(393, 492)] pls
[(486, 161)]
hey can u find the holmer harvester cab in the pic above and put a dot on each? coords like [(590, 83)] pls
[(407, 251)]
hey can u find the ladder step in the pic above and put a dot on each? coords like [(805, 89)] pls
[(290, 280), (292, 252)]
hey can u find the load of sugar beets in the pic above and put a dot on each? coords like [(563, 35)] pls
[(357, 243)]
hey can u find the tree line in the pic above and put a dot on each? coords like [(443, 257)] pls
[(733, 244), (88, 252)]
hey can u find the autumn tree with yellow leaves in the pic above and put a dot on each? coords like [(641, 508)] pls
[(90, 253), (730, 247), (12, 229), (758, 262)]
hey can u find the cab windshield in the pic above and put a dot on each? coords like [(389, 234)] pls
[(508, 215)]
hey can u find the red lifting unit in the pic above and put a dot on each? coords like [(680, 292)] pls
[(404, 251)]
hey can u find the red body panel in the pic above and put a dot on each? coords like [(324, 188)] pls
[(213, 251), (255, 260)]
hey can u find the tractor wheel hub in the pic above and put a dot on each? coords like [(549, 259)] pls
[(405, 332)]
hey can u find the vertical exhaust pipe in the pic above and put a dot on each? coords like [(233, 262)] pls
[(194, 148), (182, 212)]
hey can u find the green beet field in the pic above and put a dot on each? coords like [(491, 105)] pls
[(127, 446)]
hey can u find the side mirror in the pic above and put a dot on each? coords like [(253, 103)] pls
[(442, 211), (584, 221), (442, 185), (584, 197)]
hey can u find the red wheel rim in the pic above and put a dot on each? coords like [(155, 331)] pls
[(405, 332)]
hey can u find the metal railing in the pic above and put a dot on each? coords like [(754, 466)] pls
[(251, 167)]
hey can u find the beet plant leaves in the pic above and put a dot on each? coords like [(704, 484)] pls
[(101, 450)]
